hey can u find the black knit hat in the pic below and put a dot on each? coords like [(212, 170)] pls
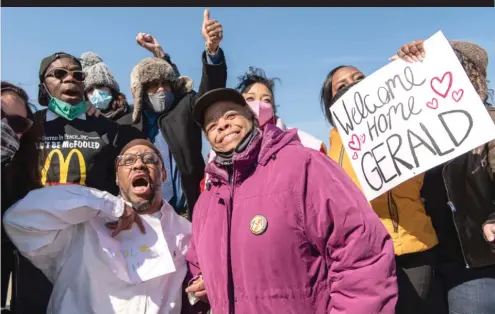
[(46, 62)]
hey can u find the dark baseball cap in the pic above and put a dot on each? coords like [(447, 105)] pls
[(46, 62), (213, 96)]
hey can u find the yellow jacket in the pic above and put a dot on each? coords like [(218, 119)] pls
[(401, 209)]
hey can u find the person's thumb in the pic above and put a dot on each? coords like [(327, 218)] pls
[(206, 15), (490, 237), (491, 234)]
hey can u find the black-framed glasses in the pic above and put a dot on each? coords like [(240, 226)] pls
[(17, 123), (148, 158), (60, 73)]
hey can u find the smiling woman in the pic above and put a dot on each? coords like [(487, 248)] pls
[(259, 199)]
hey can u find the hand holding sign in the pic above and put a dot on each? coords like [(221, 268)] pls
[(414, 51), (413, 117)]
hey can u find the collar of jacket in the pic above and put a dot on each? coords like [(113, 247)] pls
[(260, 152)]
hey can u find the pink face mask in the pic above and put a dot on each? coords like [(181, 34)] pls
[(263, 110)]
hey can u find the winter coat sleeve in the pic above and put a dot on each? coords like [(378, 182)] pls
[(169, 61), (213, 75), (354, 243), (41, 224)]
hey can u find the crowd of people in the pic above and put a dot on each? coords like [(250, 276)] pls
[(109, 207)]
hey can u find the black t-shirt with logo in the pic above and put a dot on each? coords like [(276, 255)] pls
[(82, 151)]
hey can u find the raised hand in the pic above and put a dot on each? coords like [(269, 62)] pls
[(212, 32), (149, 42), (412, 52)]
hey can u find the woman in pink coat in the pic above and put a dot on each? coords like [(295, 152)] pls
[(280, 228)]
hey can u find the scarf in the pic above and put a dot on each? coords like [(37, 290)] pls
[(225, 159)]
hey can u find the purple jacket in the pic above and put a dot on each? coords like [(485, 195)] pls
[(324, 250)]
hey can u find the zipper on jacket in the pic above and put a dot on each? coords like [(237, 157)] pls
[(453, 210), (341, 155), (393, 211), (230, 275)]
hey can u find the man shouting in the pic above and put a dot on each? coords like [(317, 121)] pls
[(107, 254)]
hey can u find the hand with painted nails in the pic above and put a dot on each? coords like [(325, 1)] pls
[(412, 52), (489, 231), (125, 222), (198, 289), (212, 32)]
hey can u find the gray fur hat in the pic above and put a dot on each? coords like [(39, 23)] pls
[(154, 69), (97, 72), (473, 52)]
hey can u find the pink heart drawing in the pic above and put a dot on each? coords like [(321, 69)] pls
[(442, 86), (363, 138), (355, 156), (433, 104), (457, 95), (354, 144)]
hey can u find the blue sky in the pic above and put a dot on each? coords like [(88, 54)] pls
[(298, 45)]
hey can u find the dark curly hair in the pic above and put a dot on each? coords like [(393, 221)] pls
[(257, 75), (476, 75), (23, 173)]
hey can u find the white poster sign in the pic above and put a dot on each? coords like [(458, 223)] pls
[(407, 118)]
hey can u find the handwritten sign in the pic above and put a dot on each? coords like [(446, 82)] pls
[(135, 257), (409, 117)]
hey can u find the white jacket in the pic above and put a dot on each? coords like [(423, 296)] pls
[(60, 229)]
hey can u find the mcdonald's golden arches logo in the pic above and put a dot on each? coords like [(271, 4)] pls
[(64, 166)]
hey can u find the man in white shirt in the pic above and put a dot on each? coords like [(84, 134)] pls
[(107, 254)]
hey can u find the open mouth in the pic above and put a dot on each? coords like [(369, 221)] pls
[(141, 185), (230, 137), (73, 92)]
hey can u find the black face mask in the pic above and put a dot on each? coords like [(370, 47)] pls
[(225, 158), (339, 94), (10, 143)]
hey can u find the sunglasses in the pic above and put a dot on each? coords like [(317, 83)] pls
[(60, 74), (147, 158), (18, 124)]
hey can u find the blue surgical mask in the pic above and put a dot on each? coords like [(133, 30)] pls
[(161, 102), (101, 99)]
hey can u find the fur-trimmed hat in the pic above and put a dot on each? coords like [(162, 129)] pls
[(97, 72), (154, 69), (473, 52)]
